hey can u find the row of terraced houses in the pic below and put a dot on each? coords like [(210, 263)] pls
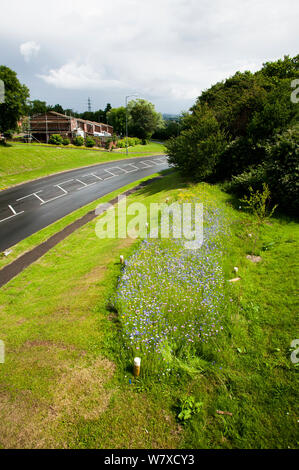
[(42, 126)]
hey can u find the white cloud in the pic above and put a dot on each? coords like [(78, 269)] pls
[(29, 50), (75, 76), (166, 50)]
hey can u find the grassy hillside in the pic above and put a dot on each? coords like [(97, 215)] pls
[(24, 162), (67, 379)]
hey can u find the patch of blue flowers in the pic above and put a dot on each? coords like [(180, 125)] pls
[(170, 298)]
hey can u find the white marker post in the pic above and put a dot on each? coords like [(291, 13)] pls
[(137, 364), (122, 259)]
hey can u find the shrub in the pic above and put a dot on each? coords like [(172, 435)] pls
[(279, 170), (108, 143), (66, 141), (89, 142), (56, 139), (253, 177), (258, 203), (78, 141), (132, 141)]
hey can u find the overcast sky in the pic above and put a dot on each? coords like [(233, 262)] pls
[(167, 51)]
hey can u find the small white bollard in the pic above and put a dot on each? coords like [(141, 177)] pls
[(236, 270), (137, 364), (146, 225), (122, 259)]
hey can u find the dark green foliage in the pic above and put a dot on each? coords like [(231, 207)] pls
[(196, 151), (37, 107), (78, 141), (66, 141), (89, 142), (280, 169), (57, 108), (243, 130), (15, 104), (171, 128), (143, 119), (56, 139)]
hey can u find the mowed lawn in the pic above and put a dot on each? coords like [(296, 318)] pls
[(67, 383), (24, 162)]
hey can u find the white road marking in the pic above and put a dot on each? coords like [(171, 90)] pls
[(82, 182), (85, 184), (96, 176), (110, 172), (131, 164), (117, 167), (146, 163), (65, 182), (29, 195), (57, 197), (11, 216), (158, 161)]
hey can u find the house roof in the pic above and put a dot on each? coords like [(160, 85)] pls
[(71, 117)]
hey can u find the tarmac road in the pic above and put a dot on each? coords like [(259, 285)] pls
[(30, 207)]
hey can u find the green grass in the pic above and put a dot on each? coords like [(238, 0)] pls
[(24, 162), (65, 381)]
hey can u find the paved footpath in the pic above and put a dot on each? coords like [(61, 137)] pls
[(28, 208)]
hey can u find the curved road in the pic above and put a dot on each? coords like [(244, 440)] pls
[(28, 208)]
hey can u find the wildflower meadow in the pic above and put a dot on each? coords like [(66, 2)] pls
[(170, 299)]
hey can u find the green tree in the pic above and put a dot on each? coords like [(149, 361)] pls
[(197, 150), (106, 111), (116, 117), (37, 107), (143, 119), (57, 108), (16, 96)]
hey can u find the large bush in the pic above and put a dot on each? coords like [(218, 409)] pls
[(56, 139), (279, 169), (78, 141), (282, 169), (89, 142), (196, 151)]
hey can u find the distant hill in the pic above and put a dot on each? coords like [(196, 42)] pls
[(171, 117)]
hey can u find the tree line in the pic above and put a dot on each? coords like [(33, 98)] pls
[(143, 120)]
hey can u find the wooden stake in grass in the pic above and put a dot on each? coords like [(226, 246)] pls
[(137, 364), (122, 259)]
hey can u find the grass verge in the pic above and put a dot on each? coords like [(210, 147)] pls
[(66, 377)]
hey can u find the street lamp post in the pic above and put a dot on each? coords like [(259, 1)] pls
[(129, 96)]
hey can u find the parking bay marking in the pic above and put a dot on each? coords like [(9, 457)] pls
[(13, 212)]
